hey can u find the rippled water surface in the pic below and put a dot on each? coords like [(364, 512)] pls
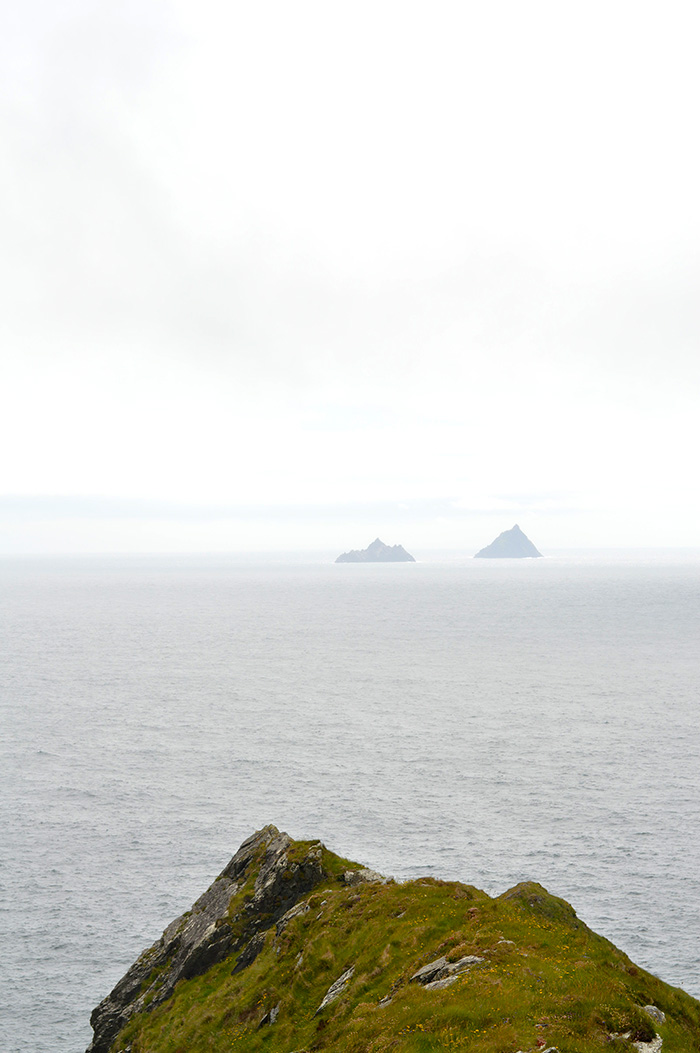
[(486, 720)]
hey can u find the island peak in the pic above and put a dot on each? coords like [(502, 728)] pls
[(377, 552), (511, 544)]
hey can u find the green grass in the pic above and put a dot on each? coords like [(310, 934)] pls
[(557, 983)]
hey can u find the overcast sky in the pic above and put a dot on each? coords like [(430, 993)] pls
[(295, 274)]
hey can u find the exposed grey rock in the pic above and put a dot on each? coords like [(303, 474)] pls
[(335, 989), (434, 973), (644, 1047), (511, 544), (206, 934), (364, 876), (650, 1047), (655, 1014), (377, 552), (270, 1016), (250, 952), (437, 985), (296, 910), (465, 963)]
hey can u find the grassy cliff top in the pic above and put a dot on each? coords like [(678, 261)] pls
[(515, 972)]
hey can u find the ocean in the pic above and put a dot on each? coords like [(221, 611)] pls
[(492, 721)]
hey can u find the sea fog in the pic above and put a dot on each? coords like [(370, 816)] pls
[(492, 721)]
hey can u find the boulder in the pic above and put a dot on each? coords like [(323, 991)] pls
[(365, 876), (441, 972)]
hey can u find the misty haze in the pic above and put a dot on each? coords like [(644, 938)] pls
[(305, 307)]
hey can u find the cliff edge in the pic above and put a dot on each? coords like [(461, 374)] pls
[(294, 948)]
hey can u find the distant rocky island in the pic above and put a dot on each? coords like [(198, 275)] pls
[(296, 948), (511, 544), (377, 552)]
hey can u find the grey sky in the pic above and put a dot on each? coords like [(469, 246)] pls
[(310, 254)]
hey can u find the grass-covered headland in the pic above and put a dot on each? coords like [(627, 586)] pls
[(295, 949)]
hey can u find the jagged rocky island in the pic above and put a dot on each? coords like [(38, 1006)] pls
[(511, 544), (293, 948), (377, 552)]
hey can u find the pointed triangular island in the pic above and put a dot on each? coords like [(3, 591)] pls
[(511, 544)]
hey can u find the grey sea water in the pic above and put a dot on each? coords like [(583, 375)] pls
[(492, 721)]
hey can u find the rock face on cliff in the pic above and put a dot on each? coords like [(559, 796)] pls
[(257, 887), (511, 544), (377, 552), (295, 948)]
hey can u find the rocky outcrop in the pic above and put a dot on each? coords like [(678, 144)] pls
[(259, 886), (364, 876), (336, 989), (441, 973), (306, 950), (377, 552), (653, 1046), (511, 544), (543, 903), (270, 1016)]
